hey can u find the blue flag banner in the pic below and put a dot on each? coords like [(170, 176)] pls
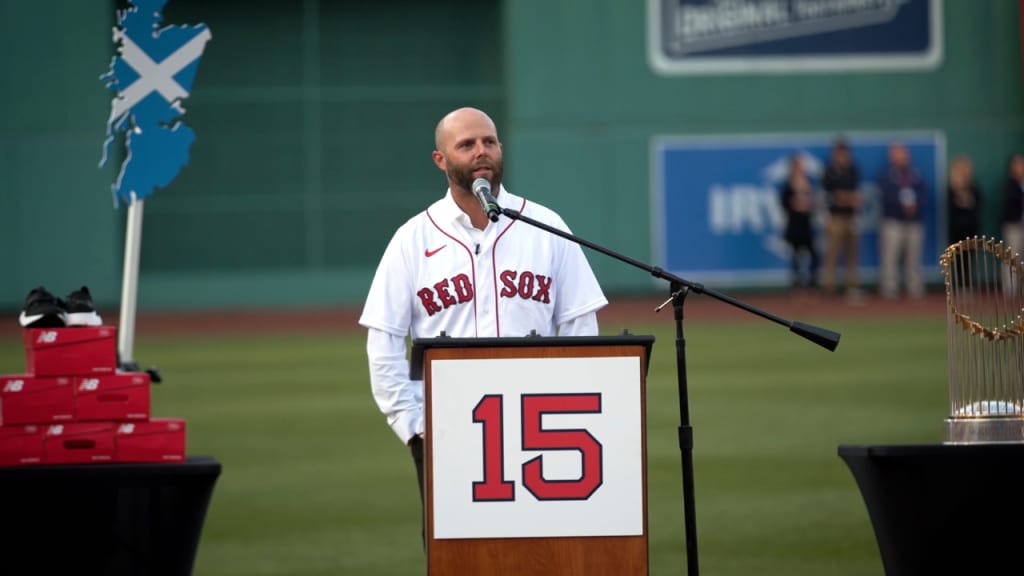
[(152, 73), (717, 215), (752, 36)]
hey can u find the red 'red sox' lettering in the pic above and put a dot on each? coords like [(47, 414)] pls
[(446, 293), (459, 289), (463, 288), (527, 285)]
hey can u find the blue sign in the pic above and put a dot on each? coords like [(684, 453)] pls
[(716, 208), (151, 76), (751, 36)]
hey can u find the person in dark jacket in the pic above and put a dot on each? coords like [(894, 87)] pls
[(1013, 203), (1013, 216), (797, 197), (901, 230), (962, 200), (842, 189)]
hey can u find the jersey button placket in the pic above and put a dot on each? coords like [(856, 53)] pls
[(485, 291)]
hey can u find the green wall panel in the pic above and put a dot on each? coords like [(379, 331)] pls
[(403, 44), (245, 151), (314, 124), (58, 227), (222, 241), (255, 44)]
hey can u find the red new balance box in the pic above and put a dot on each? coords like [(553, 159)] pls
[(21, 445), (28, 399), (118, 396), (156, 440), (79, 443), (78, 351)]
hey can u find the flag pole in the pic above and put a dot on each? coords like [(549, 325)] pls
[(129, 286)]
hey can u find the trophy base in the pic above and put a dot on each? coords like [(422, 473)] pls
[(984, 430)]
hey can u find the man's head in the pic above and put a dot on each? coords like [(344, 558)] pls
[(467, 148), (841, 152), (1016, 167), (961, 171), (899, 156), (796, 165)]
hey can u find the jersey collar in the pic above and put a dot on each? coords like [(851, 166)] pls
[(446, 210)]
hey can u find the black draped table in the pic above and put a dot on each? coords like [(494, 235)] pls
[(104, 519), (943, 508)]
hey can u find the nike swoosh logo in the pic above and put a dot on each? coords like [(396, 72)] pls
[(26, 319), (429, 253)]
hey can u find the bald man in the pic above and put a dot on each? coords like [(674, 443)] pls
[(449, 268)]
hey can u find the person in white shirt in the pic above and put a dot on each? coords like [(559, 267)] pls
[(449, 268)]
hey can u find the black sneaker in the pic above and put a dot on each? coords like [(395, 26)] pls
[(42, 310), (80, 309)]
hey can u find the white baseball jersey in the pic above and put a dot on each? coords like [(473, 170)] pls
[(437, 274)]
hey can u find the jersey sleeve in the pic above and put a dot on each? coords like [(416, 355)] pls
[(388, 305), (387, 317), (585, 325), (578, 292), (399, 398)]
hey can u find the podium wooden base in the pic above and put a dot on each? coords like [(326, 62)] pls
[(598, 556)]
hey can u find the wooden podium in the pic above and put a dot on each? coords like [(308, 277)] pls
[(535, 455)]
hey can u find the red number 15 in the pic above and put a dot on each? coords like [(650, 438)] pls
[(494, 487)]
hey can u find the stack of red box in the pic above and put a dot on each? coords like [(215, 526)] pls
[(73, 406)]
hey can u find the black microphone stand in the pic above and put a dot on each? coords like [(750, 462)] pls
[(679, 289)]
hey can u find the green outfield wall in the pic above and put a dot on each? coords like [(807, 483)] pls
[(314, 125)]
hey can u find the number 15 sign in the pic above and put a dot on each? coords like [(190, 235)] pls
[(531, 447)]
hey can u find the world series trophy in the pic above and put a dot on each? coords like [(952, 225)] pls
[(985, 326)]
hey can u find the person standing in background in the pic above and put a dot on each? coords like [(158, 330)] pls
[(901, 231), (1013, 203), (797, 197), (842, 186), (1013, 216), (962, 200)]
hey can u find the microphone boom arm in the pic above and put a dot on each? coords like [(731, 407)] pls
[(820, 336)]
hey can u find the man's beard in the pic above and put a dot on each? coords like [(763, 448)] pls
[(462, 174)]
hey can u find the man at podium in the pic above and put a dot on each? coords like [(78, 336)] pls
[(457, 269)]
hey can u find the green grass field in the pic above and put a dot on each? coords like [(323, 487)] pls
[(315, 483)]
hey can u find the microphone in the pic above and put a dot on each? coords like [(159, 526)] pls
[(482, 191)]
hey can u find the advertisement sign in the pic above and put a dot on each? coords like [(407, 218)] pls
[(745, 36), (717, 214)]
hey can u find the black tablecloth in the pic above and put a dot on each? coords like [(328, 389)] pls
[(104, 519), (943, 509)]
